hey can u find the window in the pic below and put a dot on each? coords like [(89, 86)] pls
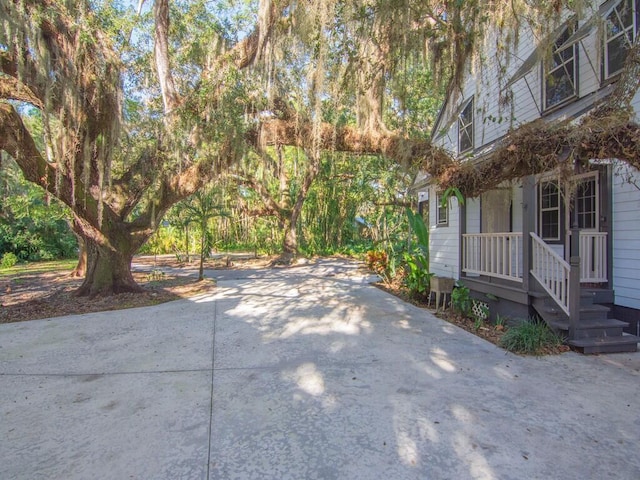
[(442, 211), (465, 128), (560, 71), (619, 32), (549, 201), (586, 203)]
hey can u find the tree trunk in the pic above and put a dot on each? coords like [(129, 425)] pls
[(290, 242), (186, 241), (202, 253), (81, 267), (108, 271)]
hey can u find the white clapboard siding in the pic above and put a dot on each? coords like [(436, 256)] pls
[(444, 241), (485, 82), (473, 215), (626, 238), (492, 120), (516, 209)]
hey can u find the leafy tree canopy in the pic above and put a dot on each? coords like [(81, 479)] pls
[(142, 108)]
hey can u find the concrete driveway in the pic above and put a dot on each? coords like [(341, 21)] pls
[(303, 373)]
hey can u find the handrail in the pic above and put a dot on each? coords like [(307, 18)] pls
[(593, 256), (551, 271), (496, 255)]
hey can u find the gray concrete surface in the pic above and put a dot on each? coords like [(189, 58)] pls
[(303, 373)]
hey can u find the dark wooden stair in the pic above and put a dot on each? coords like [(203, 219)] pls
[(596, 333)]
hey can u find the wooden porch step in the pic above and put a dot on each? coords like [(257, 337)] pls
[(624, 343), (599, 295), (587, 312), (563, 324), (594, 328), (593, 312)]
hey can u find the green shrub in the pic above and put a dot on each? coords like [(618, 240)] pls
[(9, 259), (530, 337), (417, 276), (461, 299)]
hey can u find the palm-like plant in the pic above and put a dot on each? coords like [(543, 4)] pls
[(201, 207)]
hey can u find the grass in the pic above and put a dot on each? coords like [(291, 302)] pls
[(531, 337), (34, 268)]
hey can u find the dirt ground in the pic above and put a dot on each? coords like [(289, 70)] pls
[(487, 330), (31, 296)]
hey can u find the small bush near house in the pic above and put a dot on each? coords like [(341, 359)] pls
[(461, 299), (531, 337), (8, 260), (417, 274), (378, 262)]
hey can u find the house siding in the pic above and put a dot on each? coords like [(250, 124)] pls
[(444, 241), (473, 215), (626, 237), (494, 117), (516, 207)]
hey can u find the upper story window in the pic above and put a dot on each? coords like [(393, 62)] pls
[(560, 72), (619, 33), (465, 128)]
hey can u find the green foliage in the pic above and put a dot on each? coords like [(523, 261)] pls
[(414, 112), (417, 276), (416, 260), (531, 337), (351, 203), (461, 299), (164, 240), (8, 260), (32, 226), (419, 228), (38, 268), (478, 322), (451, 192)]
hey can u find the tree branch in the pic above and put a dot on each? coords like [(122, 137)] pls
[(246, 52), (16, 140), (12, 89), (170, 95)]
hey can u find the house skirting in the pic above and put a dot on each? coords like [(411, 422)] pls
[(505, 299), (629, 315)]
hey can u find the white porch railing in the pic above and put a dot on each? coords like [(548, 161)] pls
[(593, 257), (551, 271), (493, 254)]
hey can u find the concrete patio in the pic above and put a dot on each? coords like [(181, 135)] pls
[(303, 373)]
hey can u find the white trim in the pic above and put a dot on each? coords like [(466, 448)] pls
[(559, 50), (465, 127), (575, 180), (606, 40), (439, 220), (541, 210)]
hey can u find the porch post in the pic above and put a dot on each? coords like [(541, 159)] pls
[(528, 226), (463, 229), (574, 282)]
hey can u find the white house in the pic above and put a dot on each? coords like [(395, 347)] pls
[(511, 245)]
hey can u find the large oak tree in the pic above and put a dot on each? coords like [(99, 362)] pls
[(57, 57), (218, 93)]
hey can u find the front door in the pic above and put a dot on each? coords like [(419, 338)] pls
[(496, 211), (584, 207), (585, 211)]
